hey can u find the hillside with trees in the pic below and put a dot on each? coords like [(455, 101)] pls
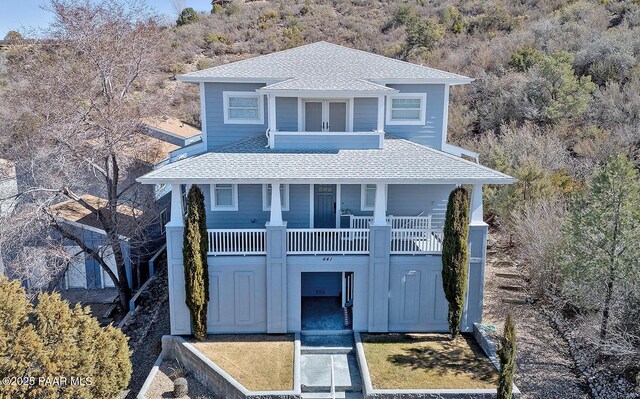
[(556, 104)]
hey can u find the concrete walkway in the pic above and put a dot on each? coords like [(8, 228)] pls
[(317, 354)]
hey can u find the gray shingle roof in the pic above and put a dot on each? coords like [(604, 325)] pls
[(321, 84), (401, 161), (324, 61)]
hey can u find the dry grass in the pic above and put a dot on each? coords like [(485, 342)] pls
[(259, 362), (427, 361)]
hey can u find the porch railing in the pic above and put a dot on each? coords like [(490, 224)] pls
[(237, 241), (416, 241), (327, 241), (397, 222)]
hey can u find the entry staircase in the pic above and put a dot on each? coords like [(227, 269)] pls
[(329, 367)]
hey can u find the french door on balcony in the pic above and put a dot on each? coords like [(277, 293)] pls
[(325, 115)]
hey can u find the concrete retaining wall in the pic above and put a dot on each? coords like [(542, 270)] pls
[(216, 379)]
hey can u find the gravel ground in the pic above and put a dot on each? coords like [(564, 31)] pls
[(545, 367), (162, 385)]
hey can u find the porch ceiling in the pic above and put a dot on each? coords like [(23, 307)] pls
[(399, 162)]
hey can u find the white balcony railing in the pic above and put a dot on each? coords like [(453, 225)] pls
[(416, 241), (327, 241), (237, 242), (397, 222)]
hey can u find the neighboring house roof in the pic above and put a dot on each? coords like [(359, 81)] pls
[(325, 62), (400, 161), (73, 212), (172, 126), (150, 150)]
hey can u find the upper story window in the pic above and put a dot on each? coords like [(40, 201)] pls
[(407, 109), (224, 197), (266, 197), (243, 107)]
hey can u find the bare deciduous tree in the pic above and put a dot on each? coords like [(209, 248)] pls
[(76, 106)]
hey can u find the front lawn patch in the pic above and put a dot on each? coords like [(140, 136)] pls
[(260, 362), (427, 361)]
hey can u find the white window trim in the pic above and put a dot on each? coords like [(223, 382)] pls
[(266, 207), (251, 94), (365, 208), (234, 199), (423, 109)]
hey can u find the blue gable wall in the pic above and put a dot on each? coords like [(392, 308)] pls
[(430, 133), (218, 133)]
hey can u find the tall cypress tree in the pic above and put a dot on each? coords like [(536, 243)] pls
[(455, 256), (507, 356), (194, 252)]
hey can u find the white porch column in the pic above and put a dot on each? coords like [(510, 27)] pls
[(476, 205), (380, 127), (276, 206), (380, 207), (177, 217), (271, 118)]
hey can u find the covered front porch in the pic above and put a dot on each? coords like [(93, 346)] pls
[(344, 226)]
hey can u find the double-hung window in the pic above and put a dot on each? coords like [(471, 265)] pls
[(266, 197), (224, 197), (407, 109), (243, 107), (368, 197)]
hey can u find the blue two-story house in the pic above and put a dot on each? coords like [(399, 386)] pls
[(326, 172)]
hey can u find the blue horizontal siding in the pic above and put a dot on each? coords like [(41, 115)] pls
[(429, 134), (403, 200), (218, 133), (250, 214), (365, 114), (328, 141), (287, 114), (413, 199)]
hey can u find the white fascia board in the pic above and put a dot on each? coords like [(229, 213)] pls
[(155, 180), (89, 228), (327, 93)]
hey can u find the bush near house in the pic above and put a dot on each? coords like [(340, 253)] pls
[(53, 340), (455, 255), (195, 262)]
